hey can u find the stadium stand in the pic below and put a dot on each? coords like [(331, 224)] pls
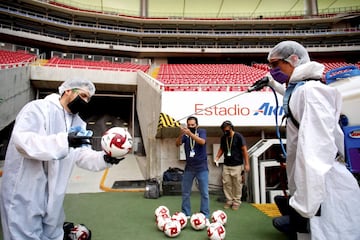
[(334, 64), (208, 77), (101, 65), (248, 27), (10, 59), (219, 77)]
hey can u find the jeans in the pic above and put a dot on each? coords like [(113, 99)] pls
[(187, 182)]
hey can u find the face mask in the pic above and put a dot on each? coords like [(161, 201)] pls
[(76, 105), (193, 130), (227, 133), (278, 75)]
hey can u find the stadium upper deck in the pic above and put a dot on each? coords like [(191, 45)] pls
[(67, 27)]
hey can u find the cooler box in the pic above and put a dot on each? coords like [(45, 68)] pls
[(347, 81), (352, 147)]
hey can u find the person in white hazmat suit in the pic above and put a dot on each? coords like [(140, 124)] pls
[(322, 189), (48, 138)]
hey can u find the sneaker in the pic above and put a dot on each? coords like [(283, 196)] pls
[(207, 223), (187, 217), (235, 207), (227, 205)]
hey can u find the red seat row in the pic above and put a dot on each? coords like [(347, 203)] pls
[(219, 77), (103, 65), (10, 59)]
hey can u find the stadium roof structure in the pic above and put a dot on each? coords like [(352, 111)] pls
[(210, 8)]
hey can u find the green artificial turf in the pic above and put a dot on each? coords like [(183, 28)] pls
[(130, 216)]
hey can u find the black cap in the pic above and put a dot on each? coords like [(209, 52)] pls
[(227, 123)]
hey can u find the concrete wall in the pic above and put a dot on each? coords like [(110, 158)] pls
[(50, 75), (148, 107), (15, 92)]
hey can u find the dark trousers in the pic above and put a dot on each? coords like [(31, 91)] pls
[(282, 223)]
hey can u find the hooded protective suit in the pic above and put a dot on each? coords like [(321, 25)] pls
[(37, 167), (315, 177)]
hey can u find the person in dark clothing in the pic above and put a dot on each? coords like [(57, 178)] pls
[(236, 160)]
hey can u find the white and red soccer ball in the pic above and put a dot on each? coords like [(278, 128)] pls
[(219, 216), (162, 216), (198, 221), (161, 221), (181, 218), (116, 142), (216, 231), (162, 210), (79, 232), (172, 228)]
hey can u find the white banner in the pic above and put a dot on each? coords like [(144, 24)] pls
[(212, 108)]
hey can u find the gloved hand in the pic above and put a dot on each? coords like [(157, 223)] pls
[(78, 137), (259, 84), (216, 161), (67, 226), (112, 160)]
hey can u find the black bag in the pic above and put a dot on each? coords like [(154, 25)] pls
[(152, 189), (173, 175), (171, 188), (172, 178)]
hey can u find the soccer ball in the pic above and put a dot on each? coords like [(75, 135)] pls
[(116, 142), (219, 216), (216, 231), (172, 228), (79, 232), (198, 221), (161, 220), (162, 210), (181, 218)]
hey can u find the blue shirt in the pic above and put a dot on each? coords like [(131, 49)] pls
[(199, 161)]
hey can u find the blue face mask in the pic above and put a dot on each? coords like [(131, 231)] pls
[(278, 75)]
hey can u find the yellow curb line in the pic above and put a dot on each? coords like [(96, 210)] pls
[(107, 189), (269, 209)]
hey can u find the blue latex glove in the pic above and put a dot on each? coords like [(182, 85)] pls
[(81, 132), (79, 137)]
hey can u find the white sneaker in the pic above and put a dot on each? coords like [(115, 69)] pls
[(207, 222)]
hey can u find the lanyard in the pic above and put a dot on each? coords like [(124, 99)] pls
[(192, 142), (229, 145)]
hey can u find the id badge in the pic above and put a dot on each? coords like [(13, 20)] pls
[(229, 154), (192, 153)]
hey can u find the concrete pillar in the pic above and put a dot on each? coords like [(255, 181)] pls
[(311, 7), (144, 8)]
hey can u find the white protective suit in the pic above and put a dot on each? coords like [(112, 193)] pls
[(315, 177), (37, 168)]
